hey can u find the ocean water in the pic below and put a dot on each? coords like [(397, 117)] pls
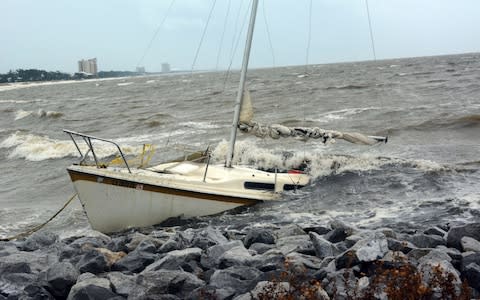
[(428, 173)]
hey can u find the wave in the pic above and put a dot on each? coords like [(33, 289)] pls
[(320, 164), (124, 83), (343, 113), (456, 122), (20, 114), (38, 148), (348, 87)]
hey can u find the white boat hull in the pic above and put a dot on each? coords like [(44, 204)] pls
[(114, 199)]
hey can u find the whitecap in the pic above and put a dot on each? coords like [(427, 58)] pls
[(20, 114)]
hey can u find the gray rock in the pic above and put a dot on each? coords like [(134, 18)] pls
[(428, 269), (175, 259), (470, 244), (347, 259), (118, 244), (296, 243), (135, 239), (436, 231), (303, 263), (92, 292), (289, 230), (208, 237), (418, 253), (82, 283), (371, 249), (321, 230), (14, 284), (261, 248), (154, 283), (211, 257), (146, 246), (426, 241), (179, 241), (472, 273), (337, 235), (210, 292), (435, 256), (259, 235), (94, 239), (236, 256), (14, 267), (323, 248), (268, 261), (341, 283), (122, 284), (469, 258), (135, 261), (36, 261), (39, 240), (241, 279), (93, 262), (455, 234), (61, 277), (403, 246)]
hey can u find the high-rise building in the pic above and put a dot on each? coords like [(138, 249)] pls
[(88, 66), (140, 69), (165, 67)]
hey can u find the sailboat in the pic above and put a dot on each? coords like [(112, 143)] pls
[(115, 198)]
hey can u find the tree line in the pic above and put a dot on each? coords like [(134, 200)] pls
[(21, 75)]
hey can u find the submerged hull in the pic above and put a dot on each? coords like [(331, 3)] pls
[(115, 200)]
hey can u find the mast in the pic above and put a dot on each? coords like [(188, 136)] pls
[(241, 86)]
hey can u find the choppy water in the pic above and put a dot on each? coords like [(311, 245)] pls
[(428, 173)]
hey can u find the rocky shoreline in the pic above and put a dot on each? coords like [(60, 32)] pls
[(335, 261)]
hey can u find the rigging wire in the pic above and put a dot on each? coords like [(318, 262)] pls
[(238, 38), (203, 36), (309, 38), (223, 34), (371, 31), (268, 33), (156, 33)]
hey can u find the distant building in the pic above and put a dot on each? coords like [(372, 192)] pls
[(165, 67), (88, 66), (140, 69)]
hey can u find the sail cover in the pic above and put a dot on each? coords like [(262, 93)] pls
[(276, 131)]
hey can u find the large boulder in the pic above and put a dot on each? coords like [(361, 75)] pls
[(61, 277), (174, 260), (38, 240), (422, 240), (472, 273), (470, 244), (91, 287), (92, 261), (455, 234), (259, 235), (208, 237), (323, 247), (135, 261), (122, 284), (236, 256), (296, 243), (211, 257), (241, 279), (151, 284)]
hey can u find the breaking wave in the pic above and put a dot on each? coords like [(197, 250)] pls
[(320, 164), (37, 148), (456, 122), (20, 114)]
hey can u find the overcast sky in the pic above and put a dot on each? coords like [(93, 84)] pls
[(55, 34)]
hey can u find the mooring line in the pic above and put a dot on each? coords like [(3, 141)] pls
[(38, 227)]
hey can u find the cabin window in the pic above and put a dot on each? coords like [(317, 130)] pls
[(290, 187), (259, 186)]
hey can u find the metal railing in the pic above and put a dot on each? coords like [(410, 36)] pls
[(88, 141)]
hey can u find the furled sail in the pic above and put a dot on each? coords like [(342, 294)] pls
[(276, 131)]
